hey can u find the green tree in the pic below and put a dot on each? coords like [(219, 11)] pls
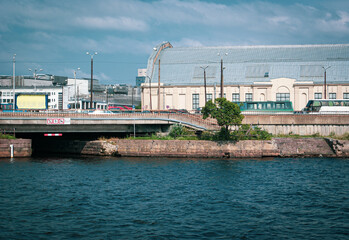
[(226, 113)]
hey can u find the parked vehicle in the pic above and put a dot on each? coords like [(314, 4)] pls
[(327, 106), (101, 112), (275, 107)]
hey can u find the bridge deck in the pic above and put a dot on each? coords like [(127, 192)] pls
[(153, 122), (102, 121)]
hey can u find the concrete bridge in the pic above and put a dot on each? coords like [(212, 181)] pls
[(137, 122), (150, 122)]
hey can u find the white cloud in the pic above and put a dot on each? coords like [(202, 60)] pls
[(186, 42), (120, 23), (339, 24), (276, 20), (126, 31)]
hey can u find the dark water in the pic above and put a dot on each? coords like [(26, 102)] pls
[(135, 198)]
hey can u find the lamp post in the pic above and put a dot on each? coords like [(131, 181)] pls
[(325, 87), (35, 75), (155, 49), (132, 96), (150, 104), (75, 85), (205, 82), (91, 54), (159, 87), (222, 83), (14, 81), (107, 99)]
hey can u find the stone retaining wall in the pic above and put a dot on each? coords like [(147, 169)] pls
[(202, 149), (277, 147), (21, 147)]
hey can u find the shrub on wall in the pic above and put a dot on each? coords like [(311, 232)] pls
[(245, 132), (6, 136)]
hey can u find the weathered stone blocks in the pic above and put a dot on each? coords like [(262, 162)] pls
[(21, 147)]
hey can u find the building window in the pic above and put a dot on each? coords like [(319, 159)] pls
[(248, 97), (282, 97), (209, 97), (332, 96), (345, 95), (318, 95), (219, 94), (195, 101), (236, 97)]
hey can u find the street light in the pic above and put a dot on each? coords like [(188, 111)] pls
[(150, 104), (205, 82), (14, 81), (91, 54), (155, 49), (35, 75), (325, 80), (107, 99), (222, 84), (75, 85)]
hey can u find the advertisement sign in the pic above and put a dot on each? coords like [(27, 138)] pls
[(57, 121), (31, 101)]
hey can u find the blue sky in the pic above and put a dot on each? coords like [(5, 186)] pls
[(55, 35)]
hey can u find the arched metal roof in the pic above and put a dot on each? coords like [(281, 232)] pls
[(249, 64)]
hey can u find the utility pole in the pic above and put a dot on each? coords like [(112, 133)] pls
[(205, 82), (325, 86), (107, 99), (159, 88), (35, 76), (91, 54), (222, 83), (14, 81), (75, 86), (150, 104), (132, 96)]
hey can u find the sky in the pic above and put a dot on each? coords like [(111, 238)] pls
[(55, 35)]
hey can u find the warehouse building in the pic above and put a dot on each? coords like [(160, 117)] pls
[(298, 73)]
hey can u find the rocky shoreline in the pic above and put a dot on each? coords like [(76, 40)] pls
[(277, 147), (20, 147)]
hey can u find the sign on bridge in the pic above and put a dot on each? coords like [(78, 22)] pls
[(57, 121)]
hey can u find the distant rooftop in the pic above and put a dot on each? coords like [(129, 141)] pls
[(249, 64)]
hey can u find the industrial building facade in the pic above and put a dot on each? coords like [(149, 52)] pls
[(175, 76)]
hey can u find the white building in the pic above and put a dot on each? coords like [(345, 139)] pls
[(293, 73), (56, 100)]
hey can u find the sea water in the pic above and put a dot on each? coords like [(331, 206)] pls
[(160, 198)]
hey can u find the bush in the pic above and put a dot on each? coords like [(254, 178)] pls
[(245, 132), (206, 136), (345, 136), (6, 136), (178, 130)]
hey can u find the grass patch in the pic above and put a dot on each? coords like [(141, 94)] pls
[(345, 136), (168, 137), (296, 136), (6, 136)]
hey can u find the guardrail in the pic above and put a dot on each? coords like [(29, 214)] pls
[(183, 118)]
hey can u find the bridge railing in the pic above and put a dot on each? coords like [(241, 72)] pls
[(194, 119)]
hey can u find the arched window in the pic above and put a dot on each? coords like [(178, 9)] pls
[(262, 97), (283, 94), (304, 99)]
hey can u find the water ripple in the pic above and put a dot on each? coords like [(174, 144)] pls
[(142, 198)]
